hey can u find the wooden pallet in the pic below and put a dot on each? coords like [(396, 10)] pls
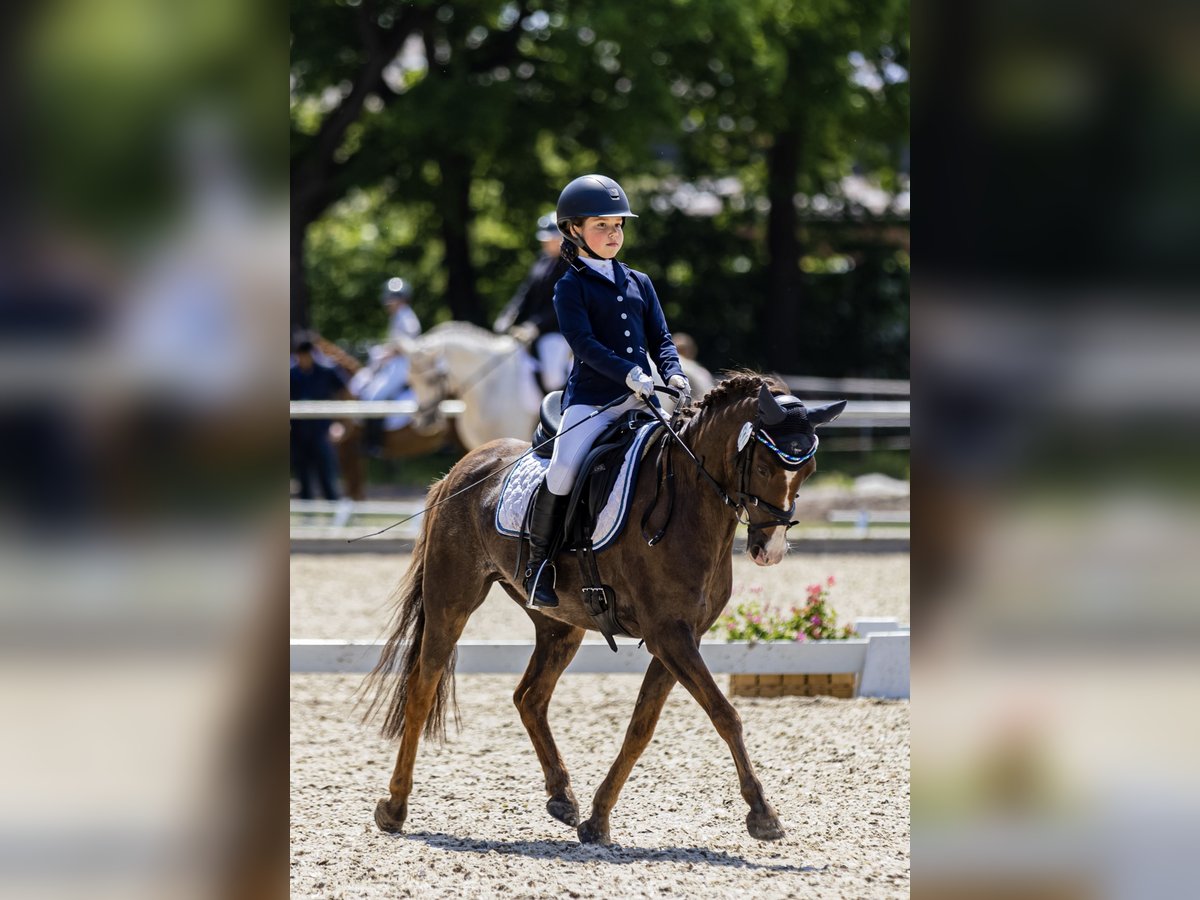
[(841, 684)]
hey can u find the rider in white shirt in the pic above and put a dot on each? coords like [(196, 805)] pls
[(386, 376), (402, 321)]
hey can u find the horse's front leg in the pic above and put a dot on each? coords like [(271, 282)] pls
[(680, 650), (556, 646), (655, 687)]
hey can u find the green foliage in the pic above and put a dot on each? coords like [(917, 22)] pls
[(109, 90), (814, 621), (679, 97)]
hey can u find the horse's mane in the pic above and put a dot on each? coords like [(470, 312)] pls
[(456, 328), (734, 386)]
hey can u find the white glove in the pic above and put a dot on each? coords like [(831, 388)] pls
[(681, 384), (640, 383)]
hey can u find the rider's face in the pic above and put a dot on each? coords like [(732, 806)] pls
[(604, 235)]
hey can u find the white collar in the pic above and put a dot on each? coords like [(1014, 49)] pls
[(603, 266)]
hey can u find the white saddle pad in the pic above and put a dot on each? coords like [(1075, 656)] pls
[(526, 476)]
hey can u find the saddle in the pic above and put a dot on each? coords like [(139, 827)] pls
[(597, 479)]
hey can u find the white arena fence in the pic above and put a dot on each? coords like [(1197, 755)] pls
[(847, 387), (879, 657)]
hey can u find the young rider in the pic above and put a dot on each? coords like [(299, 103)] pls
[(611, 317)]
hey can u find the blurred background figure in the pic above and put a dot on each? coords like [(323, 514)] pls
[(701, 379), (385, 377), (143, 282), (530, 317), (186, 293), (312, 453), (397, 300)]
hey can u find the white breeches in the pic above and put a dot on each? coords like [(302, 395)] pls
[(572, 446), (388, 382)]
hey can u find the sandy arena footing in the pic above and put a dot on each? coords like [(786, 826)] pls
[(836, 771)]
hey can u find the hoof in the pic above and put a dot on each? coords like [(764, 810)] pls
[(764, 826), (591, 833), (386, 821), (563, 809)]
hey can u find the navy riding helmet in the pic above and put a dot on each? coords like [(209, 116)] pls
[(547, 228), (591, 195)]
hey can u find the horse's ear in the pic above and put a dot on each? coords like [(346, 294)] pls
[(819, 415), (769, 410)]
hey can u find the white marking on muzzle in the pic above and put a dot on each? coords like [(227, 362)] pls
[(776, 547)]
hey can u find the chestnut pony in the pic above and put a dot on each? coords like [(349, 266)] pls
[(757, 455)]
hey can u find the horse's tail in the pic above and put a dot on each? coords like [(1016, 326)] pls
[(407, 627)]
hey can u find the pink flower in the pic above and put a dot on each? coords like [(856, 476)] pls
[(816, 620), (800, 636), (756, 619), (829, 581)]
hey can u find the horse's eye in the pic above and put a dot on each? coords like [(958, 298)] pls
[(762, 470)]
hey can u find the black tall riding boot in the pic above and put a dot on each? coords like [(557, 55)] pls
[(539, 573)]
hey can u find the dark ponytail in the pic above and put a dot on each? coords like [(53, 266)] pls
[(569, 250)]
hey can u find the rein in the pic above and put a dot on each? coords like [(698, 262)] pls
[(776, 515)]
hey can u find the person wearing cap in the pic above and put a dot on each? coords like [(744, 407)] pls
[(529, 316), (396, 299), (386, 376), (614, 323)]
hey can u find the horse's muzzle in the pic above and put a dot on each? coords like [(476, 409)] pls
[(768, 551)]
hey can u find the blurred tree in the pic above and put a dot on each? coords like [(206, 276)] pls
[(733, 124)]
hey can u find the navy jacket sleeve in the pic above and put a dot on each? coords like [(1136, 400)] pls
[(576, 327), (659, 343)]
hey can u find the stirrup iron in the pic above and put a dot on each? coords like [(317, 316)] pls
[(529, 604)]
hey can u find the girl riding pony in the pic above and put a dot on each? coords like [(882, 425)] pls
[(611, 317)]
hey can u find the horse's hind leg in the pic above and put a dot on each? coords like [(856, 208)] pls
[(655, 687), (679, 649), (556, 646), (442, 626)]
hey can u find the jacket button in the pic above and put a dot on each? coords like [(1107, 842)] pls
[(628, 349), (627, 334), (620, 299), (623, 316)]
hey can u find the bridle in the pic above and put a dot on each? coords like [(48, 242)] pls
[(744, 462), (435, 374), (741, 500)]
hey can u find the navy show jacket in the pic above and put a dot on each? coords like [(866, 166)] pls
[(611, 328)]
